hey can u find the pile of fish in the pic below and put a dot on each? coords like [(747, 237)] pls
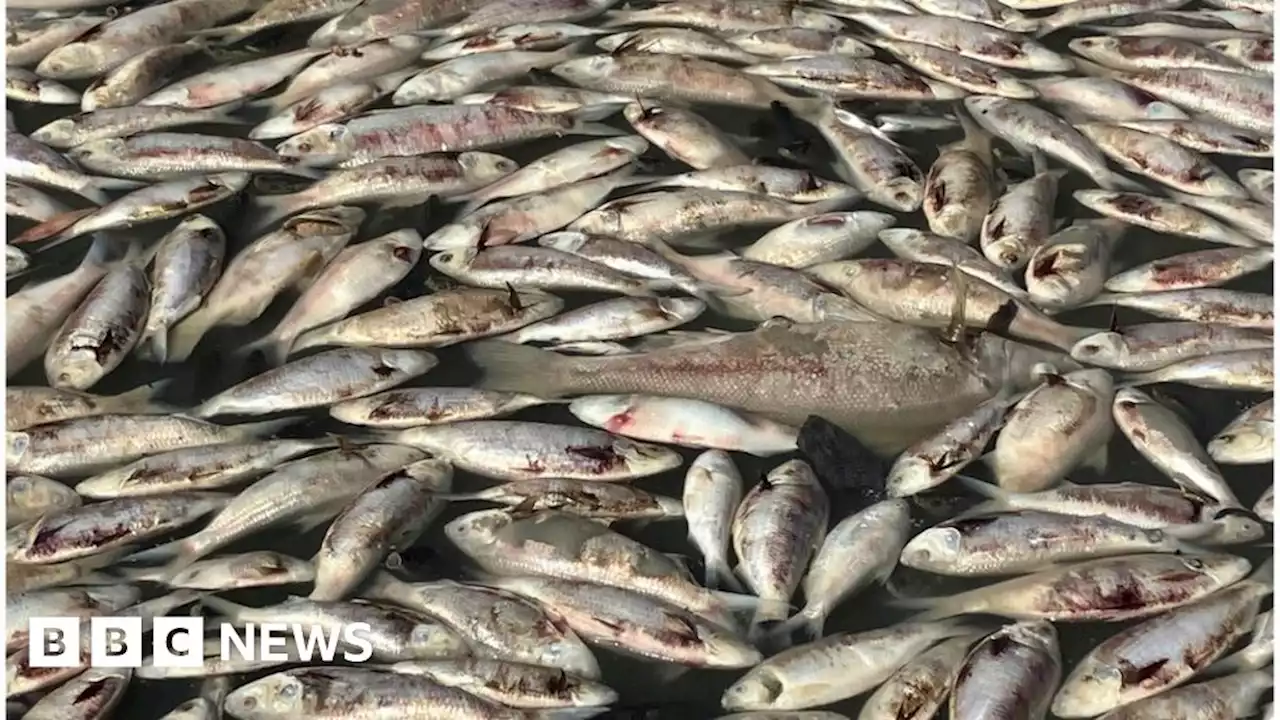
[(329, 259)]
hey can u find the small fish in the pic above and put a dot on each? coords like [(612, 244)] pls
[(1160, 653), (1162, 160), (617, 319), (1248, 370), (591, 499), (199, 468), (1021, 220), (444, 318), (1234, 308), (1072, 265), (1167, 443), (860, 551), (937, 458), (960, 186), (780, 524), (685, 136), (818, 239), (511, 684), (533, 268), (412, 407), (139, 76), (1052, 429), (1189, 271), (387, 517), (984, 545), (712, 493), (27, 406), (101, 333), (1011, 673), (839, 666), (69, 132), (318, 381), (1207, 137), (87, 530), (955, 69), (517, 450)]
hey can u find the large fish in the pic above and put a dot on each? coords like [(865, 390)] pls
[(888, 384)]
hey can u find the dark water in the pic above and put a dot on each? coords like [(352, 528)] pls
[(647, 692)]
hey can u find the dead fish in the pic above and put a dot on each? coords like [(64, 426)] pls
[(1248, 439), (1053, 429), (780, 524), (1161, 215), (1162, 160), (1021, 220), (1152, 346), (960, 186), (1009, 674), (1072, 266), (1106, 590), (1188, 271)]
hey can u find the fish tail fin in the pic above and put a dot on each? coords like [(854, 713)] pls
[(155, 345), (809, 622), (266, 428), (766, 613), (186, 335), (142, 399), (267, 210), (189, 550), (519, 368), (719, 574)]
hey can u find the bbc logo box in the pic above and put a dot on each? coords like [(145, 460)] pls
[(115, 642)]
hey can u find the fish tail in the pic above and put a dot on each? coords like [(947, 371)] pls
[(142, 399), (718, 574), (188, 333), (189, 550), (810, 622), (155, 345), (766, 613), (519, 368)]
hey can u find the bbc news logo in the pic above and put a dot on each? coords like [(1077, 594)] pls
[(179, 642)]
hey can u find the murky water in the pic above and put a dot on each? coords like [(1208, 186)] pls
[(647, 692)]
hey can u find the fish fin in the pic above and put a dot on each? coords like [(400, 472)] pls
[(719, 574), (54, 227), (186, 335), (142, 399), (810, 624), (224, 607), (519, 368)]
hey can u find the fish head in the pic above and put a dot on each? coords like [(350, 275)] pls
[(25, 491), (758, 689), (434, 640), (630, 145), (98, 151), (1223, 569), (815, 20), (1089, 689), (569, 241), (476, 529), (683, 309), (1098, 383), (910, 475), (461, 235), (273, 696), (71, 61), (1229, 526), (934, 548), (646, 457), (58, 133), (611, 412), (1093, 47), (326, 144), (585, 70), (452, 261), (483, 167), (410, 362), (1127, 400), (1009, 253), (1104, 348), (1242, 442)]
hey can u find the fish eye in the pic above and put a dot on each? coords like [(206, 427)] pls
[(304, 146), (1194, 563), (335, 133), (248, 702), (1155, 536), (289, 691)]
